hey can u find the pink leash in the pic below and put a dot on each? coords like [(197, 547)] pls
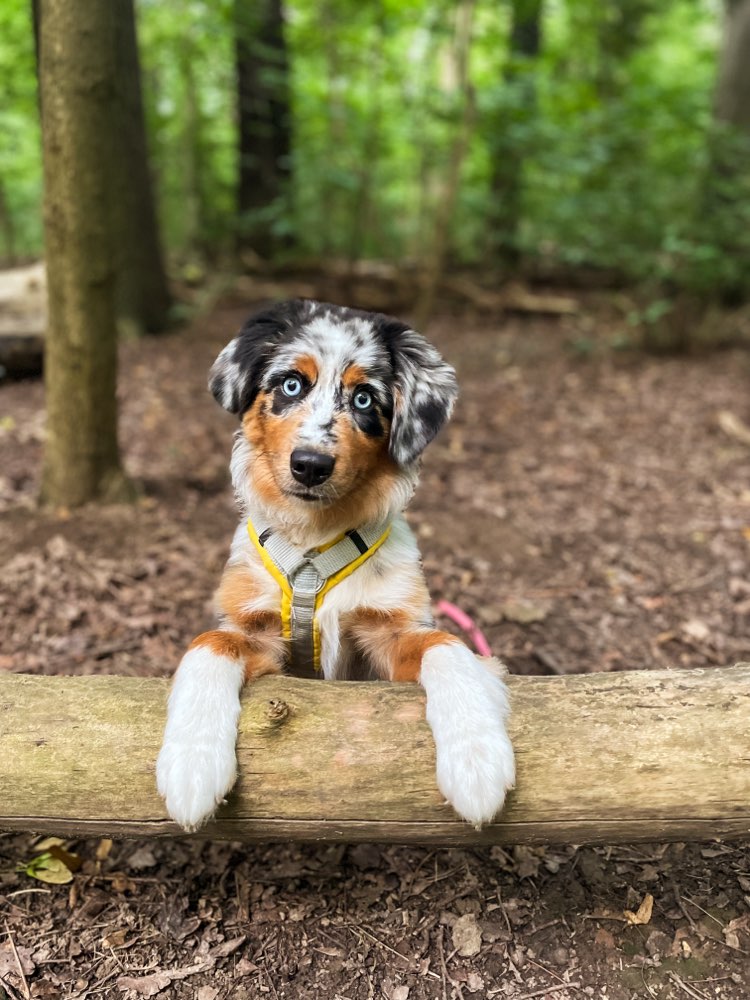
[(467, 624)]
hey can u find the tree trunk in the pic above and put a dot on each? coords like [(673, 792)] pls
[(506, 145), (264, 123), (732, 103), (143, 298), (80, 140), (460, 69), (724, 219), (7, 228)]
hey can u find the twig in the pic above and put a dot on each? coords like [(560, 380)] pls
[(709, 915), (504, 913), (443, 969), (643, 980), (549, 972), (681, 903), (12, 994), (22, 974), (546, 990), (23, 892), (686, 987)]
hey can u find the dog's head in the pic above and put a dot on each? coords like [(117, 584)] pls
[(336, 405)]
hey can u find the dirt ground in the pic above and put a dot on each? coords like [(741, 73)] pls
[(589, 506)]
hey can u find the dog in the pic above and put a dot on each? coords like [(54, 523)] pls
[(324, 575)]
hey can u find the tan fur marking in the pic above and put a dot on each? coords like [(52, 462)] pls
[(237, 587), (353, 376), (257, 656), (307, 366), (394, 642)]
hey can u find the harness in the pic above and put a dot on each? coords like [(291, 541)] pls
[(305, 577)]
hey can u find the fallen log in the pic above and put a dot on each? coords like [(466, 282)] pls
[(602, 758)]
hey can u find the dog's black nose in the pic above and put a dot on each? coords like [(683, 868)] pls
[(311, 468)]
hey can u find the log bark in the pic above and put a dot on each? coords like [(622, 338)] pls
[(602, 758)]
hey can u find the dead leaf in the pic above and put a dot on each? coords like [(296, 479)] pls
[(142, 858), (9, 963), (145, 986), (696, 629), (733, 426), (121, 883), (245, 967), (523, 611), (474, 982), (604, 939), (643, 914), (207, 993), (46, 843), (527, 861), (227, 947), (103, 848), (400, 993), (71, 861), (466, 935), (115, 939)]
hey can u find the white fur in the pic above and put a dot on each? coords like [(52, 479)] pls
[(197, 766), (231, 373), (467, 707), (330, 340)]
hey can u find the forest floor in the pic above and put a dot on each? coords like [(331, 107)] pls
[(589, 506)]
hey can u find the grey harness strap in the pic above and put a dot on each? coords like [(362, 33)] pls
[(307, 572)]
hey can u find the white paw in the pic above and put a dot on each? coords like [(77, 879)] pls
[(197, 765), (467, 707)]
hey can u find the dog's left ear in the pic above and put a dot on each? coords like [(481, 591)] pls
[(424, 391)]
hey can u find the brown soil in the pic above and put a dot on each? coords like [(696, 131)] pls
[(590, 508)]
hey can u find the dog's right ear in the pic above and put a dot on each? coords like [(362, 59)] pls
[(236, 375)]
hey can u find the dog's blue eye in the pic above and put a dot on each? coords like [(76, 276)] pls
[(362, 400), (292, 386)]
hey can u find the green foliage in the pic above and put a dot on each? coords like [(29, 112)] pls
[(611, 124), (20, 142)]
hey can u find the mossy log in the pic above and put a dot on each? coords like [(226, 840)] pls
[(602, 758)]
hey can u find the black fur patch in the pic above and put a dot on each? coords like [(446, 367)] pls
[(237, 373), (424, 389)]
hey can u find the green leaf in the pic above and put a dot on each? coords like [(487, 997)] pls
[(46, 868)]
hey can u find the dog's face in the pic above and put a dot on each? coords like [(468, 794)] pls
[(336, 406)]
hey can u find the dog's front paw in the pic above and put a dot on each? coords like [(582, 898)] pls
[(193, 780), (467, 707), (197, 765)]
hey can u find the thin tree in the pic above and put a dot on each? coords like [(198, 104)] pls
[(515, 109), (264, 122), (460, 56), (143, 298), (724, 217), (78, 92)]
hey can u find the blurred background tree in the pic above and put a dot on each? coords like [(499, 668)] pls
[(587, 140)]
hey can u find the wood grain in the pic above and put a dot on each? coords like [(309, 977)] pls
[(602, 758)]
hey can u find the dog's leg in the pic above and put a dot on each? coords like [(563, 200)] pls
[(467, 708), (197, 766)]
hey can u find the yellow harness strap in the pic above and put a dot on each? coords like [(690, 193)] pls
[(304, 579)]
